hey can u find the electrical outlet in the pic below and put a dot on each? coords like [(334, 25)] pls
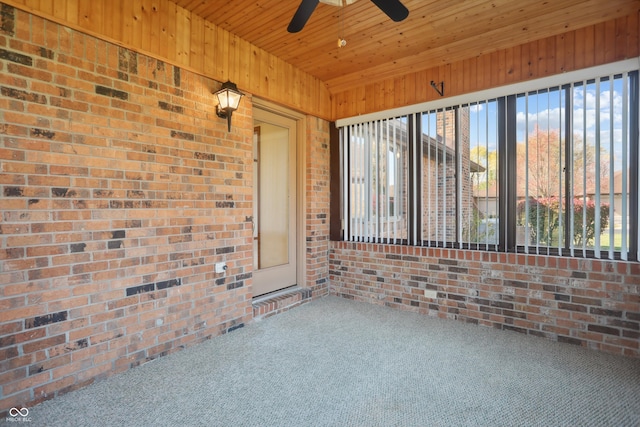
[(221, 267)]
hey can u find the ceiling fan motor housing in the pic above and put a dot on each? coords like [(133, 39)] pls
[(338, 2), (394, 9)]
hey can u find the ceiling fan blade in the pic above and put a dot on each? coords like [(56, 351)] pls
[(302, 15), (393, 8)]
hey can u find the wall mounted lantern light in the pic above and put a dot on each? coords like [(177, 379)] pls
[(228, 100)]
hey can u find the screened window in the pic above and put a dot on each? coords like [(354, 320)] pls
[(550, 171), (376, 167), (573, 168), (438, 161), (480, 211)]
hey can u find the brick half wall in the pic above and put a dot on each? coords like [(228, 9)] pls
[(592, 303)]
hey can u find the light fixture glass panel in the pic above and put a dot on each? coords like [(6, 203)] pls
[(223, 99), (233, 99)]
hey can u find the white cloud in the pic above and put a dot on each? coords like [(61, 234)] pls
[(545, 119)]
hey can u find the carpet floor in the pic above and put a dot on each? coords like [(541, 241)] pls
[(334, 362)]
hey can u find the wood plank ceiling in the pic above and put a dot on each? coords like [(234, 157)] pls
[(435, 33)]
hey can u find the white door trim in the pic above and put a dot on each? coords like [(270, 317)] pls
[(301, 171)]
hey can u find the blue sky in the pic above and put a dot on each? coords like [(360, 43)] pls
[(546, 110)]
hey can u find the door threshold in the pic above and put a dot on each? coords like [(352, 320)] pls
[(279, 301)]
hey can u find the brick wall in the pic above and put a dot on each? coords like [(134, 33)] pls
[(592, 303), (120, 188), (317, 205)]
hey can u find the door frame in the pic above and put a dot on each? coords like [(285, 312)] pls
[(300, 173)]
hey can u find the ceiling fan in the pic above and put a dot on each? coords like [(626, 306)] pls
[(392, 8)]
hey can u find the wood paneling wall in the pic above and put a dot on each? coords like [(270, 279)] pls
[(161, 29), (610, 41)]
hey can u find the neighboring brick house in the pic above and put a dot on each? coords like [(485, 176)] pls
[(438, 171)]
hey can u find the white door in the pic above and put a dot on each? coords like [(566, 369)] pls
[(274, 212)]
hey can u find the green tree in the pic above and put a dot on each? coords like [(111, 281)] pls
[(489, 161), (543, 219)]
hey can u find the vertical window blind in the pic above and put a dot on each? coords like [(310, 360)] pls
[(435, 177)]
